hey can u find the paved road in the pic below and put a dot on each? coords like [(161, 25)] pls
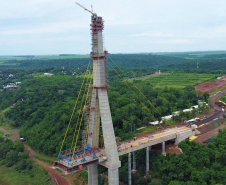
[(211, 118), (219, 112)]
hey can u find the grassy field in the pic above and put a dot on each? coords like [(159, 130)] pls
[(36, 176), (45, 158), (1, 133), (5, 59), (223, 98), (179, 80), (196, 54), (5, 122)]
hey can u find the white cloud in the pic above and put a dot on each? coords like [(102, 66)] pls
[(57, 27), (154, 25)]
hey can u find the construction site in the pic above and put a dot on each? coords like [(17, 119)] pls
[(119, 93), (96, 111)]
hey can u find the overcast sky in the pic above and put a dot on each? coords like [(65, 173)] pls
[(131, 26)]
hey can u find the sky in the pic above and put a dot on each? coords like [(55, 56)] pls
[(41, 27)]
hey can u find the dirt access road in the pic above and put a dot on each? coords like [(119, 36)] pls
[(15, 135), (56, 176)]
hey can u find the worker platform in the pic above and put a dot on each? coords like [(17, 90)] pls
[(75, 159)]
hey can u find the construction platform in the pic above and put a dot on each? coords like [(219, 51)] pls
[(75, 159)]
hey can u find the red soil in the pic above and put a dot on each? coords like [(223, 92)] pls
[(211, 86), (58, 178)]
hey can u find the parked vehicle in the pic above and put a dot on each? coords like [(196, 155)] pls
[(220, 104), (192, 120), (22, 139)]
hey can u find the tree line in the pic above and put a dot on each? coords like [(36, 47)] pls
[(43, 106)]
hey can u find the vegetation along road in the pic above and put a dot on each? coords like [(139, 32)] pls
[(57, 177)]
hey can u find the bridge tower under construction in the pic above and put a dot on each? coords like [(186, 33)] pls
[(100, 103)]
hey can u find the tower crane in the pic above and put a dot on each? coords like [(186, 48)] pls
[(94, 14)]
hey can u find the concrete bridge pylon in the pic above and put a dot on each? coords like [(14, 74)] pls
[(101, 109)]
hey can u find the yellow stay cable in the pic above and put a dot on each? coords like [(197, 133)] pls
[(82, 116), (80, 111), (74, 108), (88, 122), (131, 90), (91, 104), (138, 89)]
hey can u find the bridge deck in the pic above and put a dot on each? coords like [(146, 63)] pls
[(151, 139), (124, 148)]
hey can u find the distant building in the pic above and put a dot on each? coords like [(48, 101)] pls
[(166, 118), (48, 74), (221, 78), (10, 86), (18, 83), (169, 117), (155, 123)]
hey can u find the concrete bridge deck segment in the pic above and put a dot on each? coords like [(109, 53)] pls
[(177, 133)]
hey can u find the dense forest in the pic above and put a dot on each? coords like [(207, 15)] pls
[(183, 61), (41, 107), (199, 164)]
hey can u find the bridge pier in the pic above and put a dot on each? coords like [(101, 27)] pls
[(134, 162), (129, 169), (147, 160), (113, 177), (93, 174), (163, 147)]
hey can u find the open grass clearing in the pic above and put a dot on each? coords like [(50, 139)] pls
[(223, 98), (45, 158), (147, 129), (5, 122), (1, 133), (179, 80), (9, 176), (47, 57)]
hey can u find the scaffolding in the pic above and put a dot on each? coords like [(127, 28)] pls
[(76, 159)]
